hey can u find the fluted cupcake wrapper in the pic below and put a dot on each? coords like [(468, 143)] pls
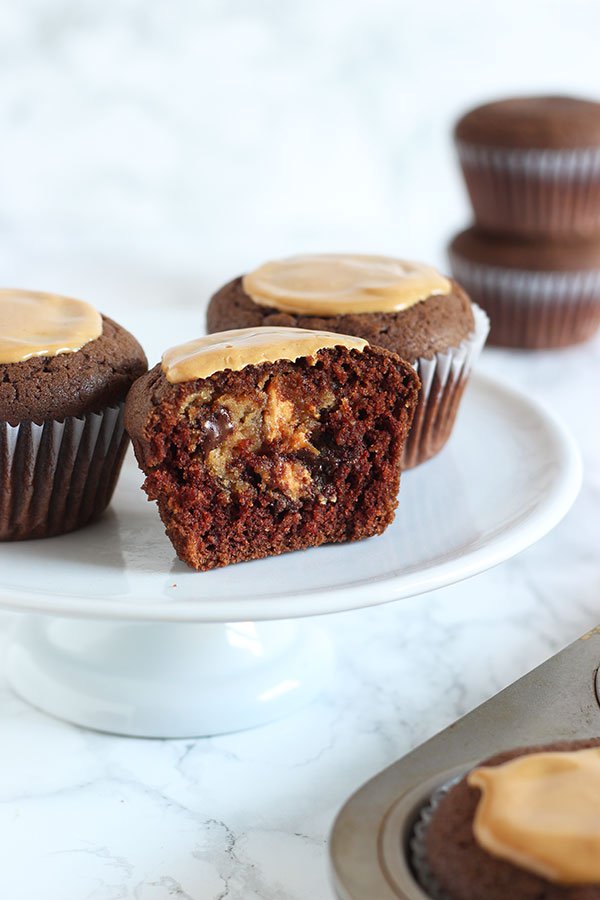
[(60, 475), (533, 191), (417, 844), (443, 380), (530, 309)]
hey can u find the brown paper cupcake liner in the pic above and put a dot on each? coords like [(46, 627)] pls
[(531, 191), (533, 310), (417, 847), (60, 475), (443, 380)]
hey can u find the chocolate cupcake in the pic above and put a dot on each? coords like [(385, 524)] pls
[(65, 371), (538, 294), (532, 165), (525, 825), (259, 441), (407, 308)]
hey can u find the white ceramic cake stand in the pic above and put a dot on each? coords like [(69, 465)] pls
[(120, 636)]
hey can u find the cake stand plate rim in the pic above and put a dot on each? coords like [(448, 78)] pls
[(547, 431)]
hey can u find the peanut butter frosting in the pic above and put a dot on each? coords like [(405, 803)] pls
[(331, 284), (33, 323), (243, 347), (541, 812)]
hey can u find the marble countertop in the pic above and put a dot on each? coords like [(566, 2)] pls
[(88, 816)]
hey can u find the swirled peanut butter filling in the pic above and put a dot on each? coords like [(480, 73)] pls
[(260, 438)]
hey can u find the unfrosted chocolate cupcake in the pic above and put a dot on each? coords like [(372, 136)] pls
[(65, 371), (532, 165), (538, 294), (405, 307), (525, 825)]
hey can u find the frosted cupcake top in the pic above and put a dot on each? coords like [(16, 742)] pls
[(33, 323), (331, 284), (541, 812), (243, 347)]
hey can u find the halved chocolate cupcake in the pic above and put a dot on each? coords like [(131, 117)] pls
[(259, 441), (405, 307)]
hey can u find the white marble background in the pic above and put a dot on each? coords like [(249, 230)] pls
[(150, 149), (222, 131)]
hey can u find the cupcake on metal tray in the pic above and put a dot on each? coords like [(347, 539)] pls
[(525, 824)]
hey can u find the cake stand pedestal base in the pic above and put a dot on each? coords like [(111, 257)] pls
[(168, 680)]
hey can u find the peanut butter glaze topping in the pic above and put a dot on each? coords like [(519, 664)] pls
[(331, 284), (33, 323), (541, 812), (243, 347)]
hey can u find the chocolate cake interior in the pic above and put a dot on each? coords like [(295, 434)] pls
[(277, 456)]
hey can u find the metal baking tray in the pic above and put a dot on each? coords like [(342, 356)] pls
[(560, 700)]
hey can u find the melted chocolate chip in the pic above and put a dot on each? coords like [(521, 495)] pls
[(215, 429)]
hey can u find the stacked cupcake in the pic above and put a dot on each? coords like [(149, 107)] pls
[(532, 259)]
